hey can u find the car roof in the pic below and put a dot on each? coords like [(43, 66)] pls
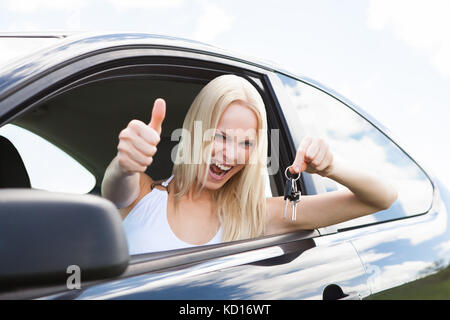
[(123, 38), (73, 44)]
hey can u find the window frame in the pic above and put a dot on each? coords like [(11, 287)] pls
[(366, 117), (45, 86)]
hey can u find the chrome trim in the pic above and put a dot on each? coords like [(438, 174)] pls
[(32, 35), (148, 282)]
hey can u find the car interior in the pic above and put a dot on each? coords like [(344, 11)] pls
[(85, 122), (12, 169)]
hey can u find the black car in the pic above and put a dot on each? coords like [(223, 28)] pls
[(61, 110)]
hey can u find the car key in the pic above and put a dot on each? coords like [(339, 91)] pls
[(287, 195), (294, 198), (291, 194)]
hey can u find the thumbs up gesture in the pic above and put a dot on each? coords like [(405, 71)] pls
[(138, 141)]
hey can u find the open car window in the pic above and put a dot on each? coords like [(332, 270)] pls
[(83, 121)]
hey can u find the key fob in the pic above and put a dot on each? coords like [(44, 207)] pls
[(288, 189)]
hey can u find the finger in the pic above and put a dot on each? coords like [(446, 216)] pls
[(312, 150), (135, 155), (140, 129), (150, 136), (299, 164), (326, 162), (318, 158), (147, 149), (129, 164), (158, 114), (306, 142)]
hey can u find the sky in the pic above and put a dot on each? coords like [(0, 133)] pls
[(391, 58)]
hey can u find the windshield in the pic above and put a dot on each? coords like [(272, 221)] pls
[(12, 49)]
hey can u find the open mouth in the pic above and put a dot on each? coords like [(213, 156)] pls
[(218, 171)]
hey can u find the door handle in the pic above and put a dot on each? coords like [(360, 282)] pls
[(335, 292)]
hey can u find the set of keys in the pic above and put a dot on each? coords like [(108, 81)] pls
[(291, 194)]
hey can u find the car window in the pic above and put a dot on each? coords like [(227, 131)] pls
[(84, 122), (358, 143), (48, 167)]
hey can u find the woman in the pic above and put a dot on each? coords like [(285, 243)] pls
[(216, 191)]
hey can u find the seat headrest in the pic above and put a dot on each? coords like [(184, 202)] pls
[(12, 169)]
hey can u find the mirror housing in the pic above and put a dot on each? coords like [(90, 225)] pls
[(44, 233)]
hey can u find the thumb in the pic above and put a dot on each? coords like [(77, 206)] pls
[(299, 164), (158, 114)]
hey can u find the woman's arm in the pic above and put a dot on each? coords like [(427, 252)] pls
[(367, 193), (125, 177), (124, 189), (121, 187), (365, 187)]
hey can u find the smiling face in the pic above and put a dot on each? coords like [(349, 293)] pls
[(234, 139)]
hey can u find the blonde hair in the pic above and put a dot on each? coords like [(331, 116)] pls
[(240, 202)]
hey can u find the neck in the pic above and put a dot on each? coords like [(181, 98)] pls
[(199, 194), (195, 193)]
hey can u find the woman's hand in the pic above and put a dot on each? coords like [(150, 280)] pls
[(138, 141), (313, 156)]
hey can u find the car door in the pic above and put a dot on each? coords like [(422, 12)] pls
[(297, 265)]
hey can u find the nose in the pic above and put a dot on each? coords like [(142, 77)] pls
[(232, 154)]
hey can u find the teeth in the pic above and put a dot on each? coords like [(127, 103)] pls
[(222, 167)]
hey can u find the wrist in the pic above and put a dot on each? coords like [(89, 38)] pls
[(330, 171), (119, 171)]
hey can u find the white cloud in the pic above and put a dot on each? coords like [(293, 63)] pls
[(213, 21), (420, 24), (145, 4), (27, 6), (398, 274), (443, 248)]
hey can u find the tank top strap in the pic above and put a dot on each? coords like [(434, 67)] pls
[(161, 183), (165, 183)]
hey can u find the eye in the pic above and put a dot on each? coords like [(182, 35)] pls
[(248, 143), (219, 136)]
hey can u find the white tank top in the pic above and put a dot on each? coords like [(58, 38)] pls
[(147, 228)]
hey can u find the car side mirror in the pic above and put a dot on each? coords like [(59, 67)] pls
[(43, 233)]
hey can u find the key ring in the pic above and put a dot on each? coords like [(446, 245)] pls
[(285, 174)]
